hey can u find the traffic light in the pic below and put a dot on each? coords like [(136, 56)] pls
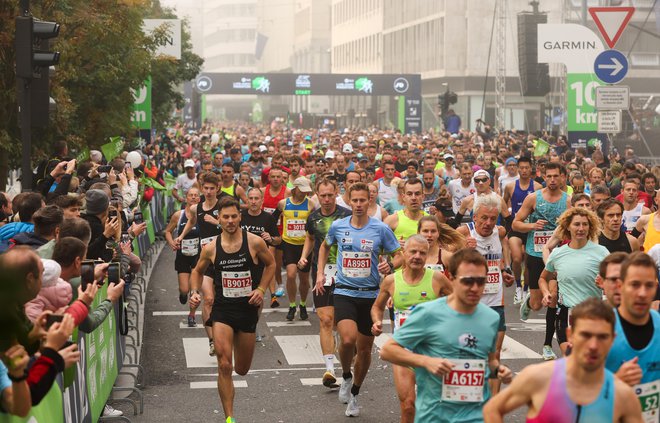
[(31, 56)]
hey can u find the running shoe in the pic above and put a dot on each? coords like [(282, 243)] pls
[(353, 409), (345, 390), (183, 298), (524, 308), (518, 297), (291, 314), (191, 321), (279, 292), (211, 349), (230, 420), (329, 379), (108, 411), (303, 313), (548, 354), (260, 338), (273, 302)]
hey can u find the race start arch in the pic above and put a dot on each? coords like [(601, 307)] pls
[(408, 87)]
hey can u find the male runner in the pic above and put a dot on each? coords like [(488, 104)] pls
[(489, 240), (511, 175), (514, 195), (243, 268), (230, 186), (408, 287), (649, 225), (633, 208), (386, 191), (294, 211), (635, 354), (274, 192), (462, 187), (609, 278), (430, 191), (482, 187), (188, 253), (451, 345), (360, 242), (317, 227), (404, 222), (614, 237), (352, 177), (577, 388), (262, 224), (205, 217)]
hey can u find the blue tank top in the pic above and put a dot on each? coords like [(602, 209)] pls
[(518, 196), (550, 212), (559, 408)]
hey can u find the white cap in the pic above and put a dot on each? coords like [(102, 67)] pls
[(329, 154), (480, 173), (268, 138), (348, 148), (189, 163), (302, 184), (448, 156), (263, 148), (52, 272), (361, 139)]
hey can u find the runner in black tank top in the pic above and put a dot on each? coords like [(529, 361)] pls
[(614, 245)]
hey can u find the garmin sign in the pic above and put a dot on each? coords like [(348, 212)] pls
[(309, 84)]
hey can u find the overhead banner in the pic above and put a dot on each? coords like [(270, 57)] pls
[(309, 84), (171, 45)]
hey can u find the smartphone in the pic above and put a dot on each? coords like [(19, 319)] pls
[(52, 318), (112, 213), (113, 273), (138, 218), (86, 273), (104, 169)]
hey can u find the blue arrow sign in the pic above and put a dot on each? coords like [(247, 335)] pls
[(611, 66)]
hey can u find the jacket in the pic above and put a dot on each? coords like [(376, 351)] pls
[(96, 248), (27, 238), (9, 230), (49, 298)]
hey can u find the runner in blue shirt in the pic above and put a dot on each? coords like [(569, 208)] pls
[(361, 242)]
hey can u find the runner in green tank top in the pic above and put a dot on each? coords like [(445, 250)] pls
[(404, 222), (412, 285)]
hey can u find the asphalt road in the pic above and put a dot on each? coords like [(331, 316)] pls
[(283, 384)]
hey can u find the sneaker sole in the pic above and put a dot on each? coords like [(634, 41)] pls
[(330, 381)]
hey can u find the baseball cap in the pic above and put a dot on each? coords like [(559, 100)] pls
[(348, 148), (510, 160), (448, 156), (361, 139), (481, 173), (302, 184), (189, 163), (308, 137), (330, 154), (268, 138), (263, 148)]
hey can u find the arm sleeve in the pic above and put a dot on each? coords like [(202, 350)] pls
[(96, 317), (79, 311), (63, 187), (34, 308), (130, 193), (96, 248), (42, 374), (43, 186)]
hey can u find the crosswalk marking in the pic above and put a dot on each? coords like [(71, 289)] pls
[(186, 312), (316, 381), (380, 340), (214, 384), (184, 325), (301, 349), (197, 353), (288, 324), (512, 349)]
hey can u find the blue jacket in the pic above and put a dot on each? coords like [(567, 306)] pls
[(9, 230)]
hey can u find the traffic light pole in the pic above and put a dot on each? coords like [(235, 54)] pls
[(26, 124)]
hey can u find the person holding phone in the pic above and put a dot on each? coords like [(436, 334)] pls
[(102, 225)]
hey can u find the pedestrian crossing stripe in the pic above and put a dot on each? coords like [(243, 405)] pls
[(301, 349), (316, 381), (214, 384)]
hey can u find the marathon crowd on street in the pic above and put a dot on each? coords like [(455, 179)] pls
[(357, 228)]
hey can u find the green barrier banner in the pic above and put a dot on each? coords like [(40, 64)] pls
[(146, 214), (113, 148)]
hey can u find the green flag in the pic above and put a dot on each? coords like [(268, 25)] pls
[(170, 181), (541, 148), (148, 182), (113, 148), (83, 155)]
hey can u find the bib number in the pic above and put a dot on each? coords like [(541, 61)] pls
[(330, 272), (189, 247), (436, 267), (540, 239), (356, 264), (465, 383), (205, 241), (400, 317), (493, 279), (649, 397), (236, 284), (295, 228)]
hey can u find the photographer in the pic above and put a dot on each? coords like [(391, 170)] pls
[(58, 179), (103, 228)]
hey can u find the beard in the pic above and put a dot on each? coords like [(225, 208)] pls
[(428, 186)]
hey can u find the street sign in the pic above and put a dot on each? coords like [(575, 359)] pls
[(612, 98), (609, 121), (611, 66), (611, 21)]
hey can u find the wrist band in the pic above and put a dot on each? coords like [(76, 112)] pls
[(263, 291), (18, 379)]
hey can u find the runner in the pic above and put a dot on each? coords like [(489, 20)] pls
[(577, 388), (633, 208), (451, 344), (243, 266), (318, 224), (614, 237), (636, 350), (204, 216), (294, 211), (360, 241), (431, 191), (482, 187), (375, 210), (542, 208), (188, 253), (408, 287), (609, 278), (386, 190), (274, 192), (649, 226), (576, 266), (443, 242), (461, 188), (511, 175), (350, 178), (230, 186), (262, 224), (404, 222), (489, 240), (184, 181), (514, 195)]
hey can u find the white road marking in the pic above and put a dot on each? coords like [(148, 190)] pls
[(316, 381), (288, 324), (380, 340), (197, 353), (301, 349), (185, 312), (512, 349), (184, 325), (214, 384)]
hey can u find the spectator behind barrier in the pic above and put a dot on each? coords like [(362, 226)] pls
[(47, 221), (27, 206)]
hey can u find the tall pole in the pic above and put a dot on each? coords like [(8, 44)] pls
[(26, 121)]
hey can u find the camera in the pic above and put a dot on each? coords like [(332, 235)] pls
[(52, 318), (104, 169), (138, 218), (113, 273)]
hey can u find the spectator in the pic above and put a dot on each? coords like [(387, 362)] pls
[(103, 229), (70, 204), (452, 122), (47, 223), (27, 206)]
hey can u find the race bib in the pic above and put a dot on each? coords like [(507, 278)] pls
[(493, 278), (540, 239), (208, 240), (436, 267), (189, 247), (330, 272), (295, 228), (649, 396), (236, 284), (465, 383), (400, 317), (269, 210), (356, 264)]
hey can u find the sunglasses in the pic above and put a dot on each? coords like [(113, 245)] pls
[(481, 180), (471, 280)]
